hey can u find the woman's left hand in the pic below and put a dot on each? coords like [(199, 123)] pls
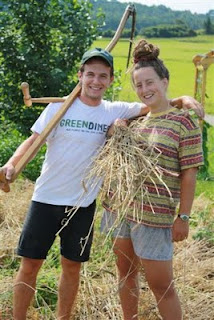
[(117, 123), (180, 230)]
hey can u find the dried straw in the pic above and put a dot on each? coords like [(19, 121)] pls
[(125, 163), (13, 207), (98, 296)]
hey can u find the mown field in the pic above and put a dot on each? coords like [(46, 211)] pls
[(98, 296)]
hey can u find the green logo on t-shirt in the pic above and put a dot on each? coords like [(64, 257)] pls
[(94, 126)]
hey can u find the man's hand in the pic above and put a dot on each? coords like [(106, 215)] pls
[(187, 102), (8, 170), (6, 174), (180, 230)]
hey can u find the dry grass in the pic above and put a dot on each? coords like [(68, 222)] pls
[(13, 207), (98, 296), (125, 163)]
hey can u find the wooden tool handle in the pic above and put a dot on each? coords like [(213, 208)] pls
[(26, 93), (6, 187), (42, 137), (28, 100), (47, 99)]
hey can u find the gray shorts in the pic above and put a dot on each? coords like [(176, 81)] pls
[(148, 242)]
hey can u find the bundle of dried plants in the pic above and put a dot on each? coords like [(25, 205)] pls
[(125, 163)]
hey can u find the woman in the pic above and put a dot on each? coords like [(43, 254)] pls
[(148, 240)]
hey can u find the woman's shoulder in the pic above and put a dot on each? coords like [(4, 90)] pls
[(186, 118)]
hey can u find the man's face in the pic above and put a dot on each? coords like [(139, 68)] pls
[(95, 79)]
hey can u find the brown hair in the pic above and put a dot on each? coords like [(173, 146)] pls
[(146, 55)]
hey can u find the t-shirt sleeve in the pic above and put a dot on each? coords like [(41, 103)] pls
[(126, 110), (45, 117), (190, 145)]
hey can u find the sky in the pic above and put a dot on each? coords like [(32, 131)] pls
[(195, 6)]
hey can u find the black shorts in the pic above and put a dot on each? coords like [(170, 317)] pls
[(42, 223)]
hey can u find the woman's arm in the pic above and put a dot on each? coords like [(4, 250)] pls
[(180, 228)]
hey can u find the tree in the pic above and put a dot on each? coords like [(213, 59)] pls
[(168, 31), (209, 27), (41, 42)]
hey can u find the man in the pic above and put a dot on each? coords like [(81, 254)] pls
[(70, 149)]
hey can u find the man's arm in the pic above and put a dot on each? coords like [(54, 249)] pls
[(9, 167), (187, 102), (180, 228), (183, 102)]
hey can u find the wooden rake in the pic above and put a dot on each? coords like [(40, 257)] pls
[(67, 102), (202, 63)]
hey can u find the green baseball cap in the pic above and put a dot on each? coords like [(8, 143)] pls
[(98, 52)]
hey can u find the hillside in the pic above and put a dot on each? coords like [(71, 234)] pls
[(146, 15)]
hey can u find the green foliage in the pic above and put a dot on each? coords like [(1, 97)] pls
[(110, 33), (53, 259), (41, 42), (205, 187), (204, 225), (204, 171), (10, 139), (168, 31), (112, 93), (46, 294), (208, 26)]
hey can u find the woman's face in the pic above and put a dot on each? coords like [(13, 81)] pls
[(149, 87)]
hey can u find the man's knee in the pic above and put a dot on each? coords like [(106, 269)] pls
[(30, 266), (69, 267)]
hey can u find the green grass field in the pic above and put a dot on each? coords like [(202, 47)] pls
[(177, 54)]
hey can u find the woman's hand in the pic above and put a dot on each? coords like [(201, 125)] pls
[(180, 230)]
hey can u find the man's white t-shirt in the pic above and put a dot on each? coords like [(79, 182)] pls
[(71, 146)]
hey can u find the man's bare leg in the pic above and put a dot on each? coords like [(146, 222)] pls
[(68, 288), (24, 286)]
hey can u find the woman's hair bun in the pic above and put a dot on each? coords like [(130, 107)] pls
[(145, 51)]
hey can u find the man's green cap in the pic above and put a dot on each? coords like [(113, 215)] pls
[(98, 52)]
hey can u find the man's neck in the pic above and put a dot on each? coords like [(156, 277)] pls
[(90, 102)]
